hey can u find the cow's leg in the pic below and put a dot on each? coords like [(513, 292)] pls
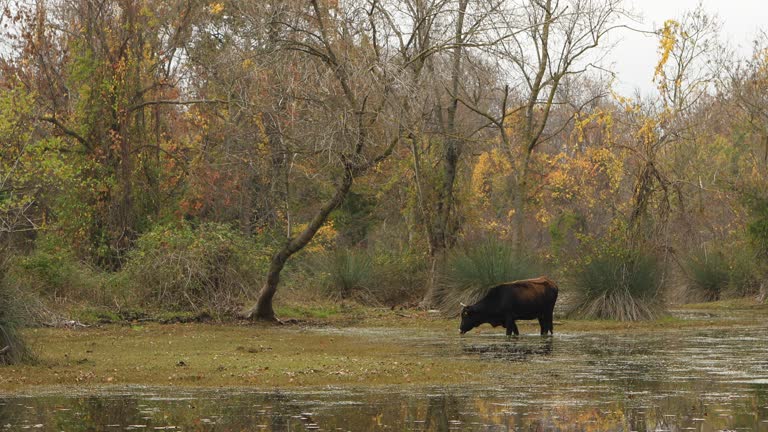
[(511, 327), (544, 325), (551, 320)]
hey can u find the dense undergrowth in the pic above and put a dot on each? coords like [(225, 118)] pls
[(210, 271)]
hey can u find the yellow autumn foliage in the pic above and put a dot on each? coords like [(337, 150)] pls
[(216, 8), (667, 42), (491, 168), (601, 119), (323, 239)]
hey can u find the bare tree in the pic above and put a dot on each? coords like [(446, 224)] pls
[(343, 109)]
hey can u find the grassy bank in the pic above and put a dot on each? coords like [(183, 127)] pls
[(348, 346), (223, 355)]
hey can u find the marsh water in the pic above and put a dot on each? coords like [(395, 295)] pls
[(662, 380)]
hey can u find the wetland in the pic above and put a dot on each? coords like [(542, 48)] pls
[(700, 370)]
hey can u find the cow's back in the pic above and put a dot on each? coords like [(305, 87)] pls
[(527, 298)]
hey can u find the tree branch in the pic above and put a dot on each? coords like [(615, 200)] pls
[(67, 131), (176, 102)]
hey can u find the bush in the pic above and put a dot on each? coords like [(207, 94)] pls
[(715, 276), (340, 273), (708, 276), (369, 276), (53, 271), (624, 287), (210, 267), (400, 276), (474, 268), (348, 271), (12, 317), (744, 274)]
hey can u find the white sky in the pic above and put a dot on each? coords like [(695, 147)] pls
[(635, 54)]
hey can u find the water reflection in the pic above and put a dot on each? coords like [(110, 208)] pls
[(662, 381), (514, 349), (337, 410)]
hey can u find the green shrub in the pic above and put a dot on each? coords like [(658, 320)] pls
[(474, 268), (366, 275), (349, 270), (757, 229), (12, 317), (715, 276), (624, 287), (210, 267), (400, 276), (744, 273), (53, 271), (708, 277)]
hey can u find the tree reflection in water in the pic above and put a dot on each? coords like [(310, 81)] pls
[(437, 410), (702, 380)]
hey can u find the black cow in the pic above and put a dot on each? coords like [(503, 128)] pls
[(519, 300)]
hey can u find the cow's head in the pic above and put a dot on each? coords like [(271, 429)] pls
[(470, 318)]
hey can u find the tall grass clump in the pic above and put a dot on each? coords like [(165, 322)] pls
[(746, 274), (734, 272), (375, 276), (350, 272), (343, 273), (708, 277), (206, 268), (472, 269), (624, 287)]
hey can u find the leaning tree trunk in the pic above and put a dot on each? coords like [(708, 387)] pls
[(263, 309)]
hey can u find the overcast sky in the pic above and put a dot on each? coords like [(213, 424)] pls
[(635, 54)]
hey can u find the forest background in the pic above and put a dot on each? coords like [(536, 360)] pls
[(197, 157)]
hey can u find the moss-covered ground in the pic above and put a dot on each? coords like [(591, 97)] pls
[(322, 345)]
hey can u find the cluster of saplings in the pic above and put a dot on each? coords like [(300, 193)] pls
[(211, 270)]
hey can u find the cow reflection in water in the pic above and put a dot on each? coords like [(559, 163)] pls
[(514, 350)]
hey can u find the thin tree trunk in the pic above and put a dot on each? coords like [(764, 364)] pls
[(420, 194), (521, 192), (533, 130), (441, 231)]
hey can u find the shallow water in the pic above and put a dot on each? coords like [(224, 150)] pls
[(676, 380)]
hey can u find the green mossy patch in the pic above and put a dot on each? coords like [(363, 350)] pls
[(354, 346)]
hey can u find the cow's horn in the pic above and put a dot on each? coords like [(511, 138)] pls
[(462, 304)]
